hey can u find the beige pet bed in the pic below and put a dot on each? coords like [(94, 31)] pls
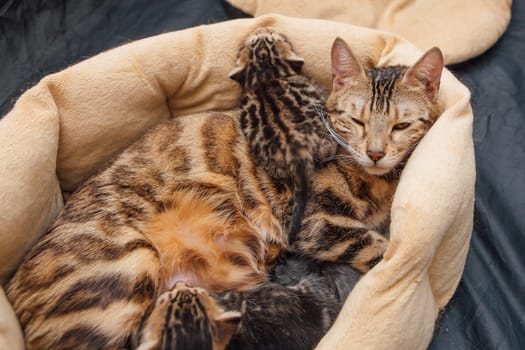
[(461, 28), (72, 122)]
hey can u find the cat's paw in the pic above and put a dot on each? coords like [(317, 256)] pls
[(372, 253)]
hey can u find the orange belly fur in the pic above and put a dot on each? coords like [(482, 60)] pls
[(203, 247)]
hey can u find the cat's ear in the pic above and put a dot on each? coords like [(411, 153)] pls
[(427, 71), (227, 324), (296, 63), (344, 64), (238, 74)]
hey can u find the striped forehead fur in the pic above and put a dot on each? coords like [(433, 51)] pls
[(383, 82)]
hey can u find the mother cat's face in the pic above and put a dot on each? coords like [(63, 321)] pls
[(380, 114)]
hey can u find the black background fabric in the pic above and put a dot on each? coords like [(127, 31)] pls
[(488, 309), (38, 37)]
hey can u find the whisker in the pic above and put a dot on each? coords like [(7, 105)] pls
[(334, 135), (338, 156)]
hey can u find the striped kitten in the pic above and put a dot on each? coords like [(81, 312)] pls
[(280, 115), (187, 202), (187, 318)]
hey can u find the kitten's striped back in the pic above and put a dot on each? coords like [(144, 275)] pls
[(280, 115)]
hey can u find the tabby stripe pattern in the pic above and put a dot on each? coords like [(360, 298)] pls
[(383, 83)]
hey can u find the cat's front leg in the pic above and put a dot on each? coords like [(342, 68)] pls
[(330, 239)]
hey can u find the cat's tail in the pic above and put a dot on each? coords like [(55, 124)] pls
[(301, 178)]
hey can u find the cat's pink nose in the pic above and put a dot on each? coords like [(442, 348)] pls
[(375, 156)]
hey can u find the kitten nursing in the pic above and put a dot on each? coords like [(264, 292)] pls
[(295, 310), (189, 202)]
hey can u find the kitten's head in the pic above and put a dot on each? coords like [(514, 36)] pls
[(187, 318), (378, 115), (265, 55)]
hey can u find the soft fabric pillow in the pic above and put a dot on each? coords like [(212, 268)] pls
[(461, 28), (72, 122)]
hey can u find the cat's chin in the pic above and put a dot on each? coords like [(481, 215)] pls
[(376, 170)]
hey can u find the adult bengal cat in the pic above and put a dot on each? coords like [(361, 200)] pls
[(187, 203)]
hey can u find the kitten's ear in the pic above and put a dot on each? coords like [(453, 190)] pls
[(344, 64), (227, 324), (296, 63), (237, 74), (427, 70)]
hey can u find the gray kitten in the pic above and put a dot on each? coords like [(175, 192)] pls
[(295, 310)]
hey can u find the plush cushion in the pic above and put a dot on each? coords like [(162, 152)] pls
[(461, 28), (72, 122)]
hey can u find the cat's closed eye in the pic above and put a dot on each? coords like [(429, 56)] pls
[(401, 126), (358, 122)]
